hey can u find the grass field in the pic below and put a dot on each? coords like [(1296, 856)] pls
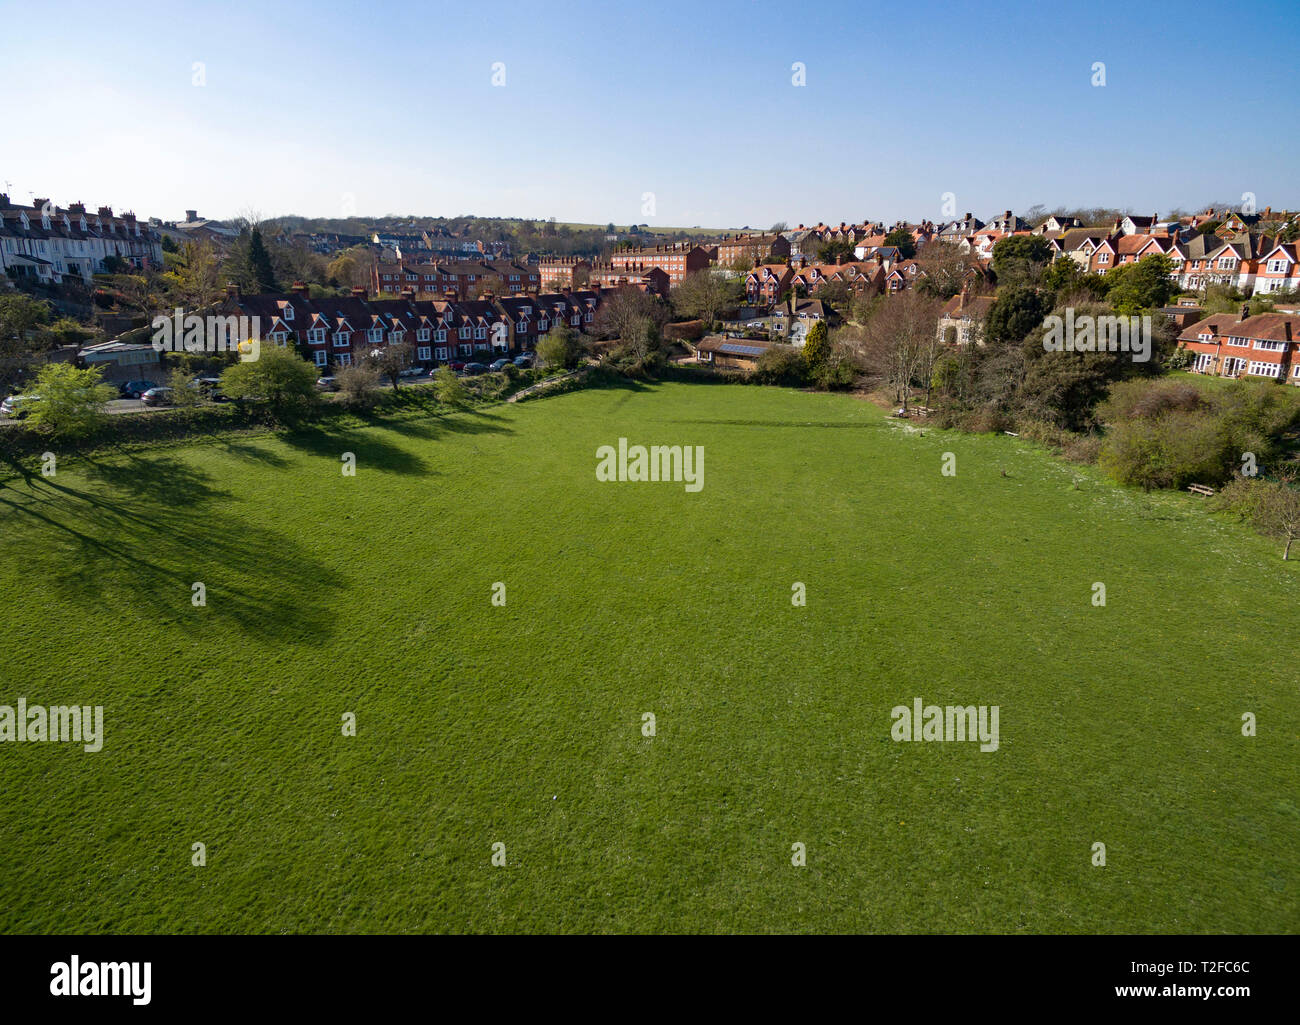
[(521, 724)]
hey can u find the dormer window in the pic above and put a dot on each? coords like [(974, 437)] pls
[(288, 311)]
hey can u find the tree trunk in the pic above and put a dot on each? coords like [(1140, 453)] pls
[(1286, 552)]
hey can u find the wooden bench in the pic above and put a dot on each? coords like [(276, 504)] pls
[(1200, 489)]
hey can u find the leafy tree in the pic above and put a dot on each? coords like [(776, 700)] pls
[(1067, 278), (22, 335), (185, 390), (1019, 259), (559, 347), (261, 275), (1140, 286), (902, 239), (817, 348), (1015, 312), (70, 402), (449, 389), (279, 377), (839, 250)]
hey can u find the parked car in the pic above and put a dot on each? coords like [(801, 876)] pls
[(327, 383), (160, 396), (14, 405), (210, 387), (412, 372), (475, 368), (499, 365), (135, 389), (456, 366), (525, 359)]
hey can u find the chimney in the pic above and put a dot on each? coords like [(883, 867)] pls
[(39, 203), (232, 290), (104, 211), (4, 201), (358, 293), (1245, 310), (301, 290), (965, 293), (77, 208), (191, 216)]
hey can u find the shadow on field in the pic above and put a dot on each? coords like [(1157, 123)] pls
[(469, 422), (371, 450), (819, 424), (146, 535)]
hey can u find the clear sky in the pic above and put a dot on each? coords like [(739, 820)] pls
[(389, 106)]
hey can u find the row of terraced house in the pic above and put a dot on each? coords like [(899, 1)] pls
[(47, 244), (333, 331)]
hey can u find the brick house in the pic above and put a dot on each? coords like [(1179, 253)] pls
[(745, 251), (676, 260), (1267, 345)]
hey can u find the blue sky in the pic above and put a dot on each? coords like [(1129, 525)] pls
[(389, 107)]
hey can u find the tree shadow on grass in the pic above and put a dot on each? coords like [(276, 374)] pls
[(371, 450), (820, 424), (149, 530), (467, 422)]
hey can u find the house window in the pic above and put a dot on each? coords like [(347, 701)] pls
[(279, 337), (345, 359), (480, 332), (440, 335), (316, 334), (1264, 369), (1226, 263), (375, 334), (442, 353), (422, 354), (1270, 346), (320, 357), (464, 332), (422, 335), (288, 312), (341, 339), (1240, 343)]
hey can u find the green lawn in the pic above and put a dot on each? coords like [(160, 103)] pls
[(521, 724)]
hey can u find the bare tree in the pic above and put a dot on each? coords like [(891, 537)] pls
[(1277, 513), (624, 313), (900, 338), (705, 295)]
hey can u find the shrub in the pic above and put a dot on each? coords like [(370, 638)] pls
[(781, 365), (358, 383)]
